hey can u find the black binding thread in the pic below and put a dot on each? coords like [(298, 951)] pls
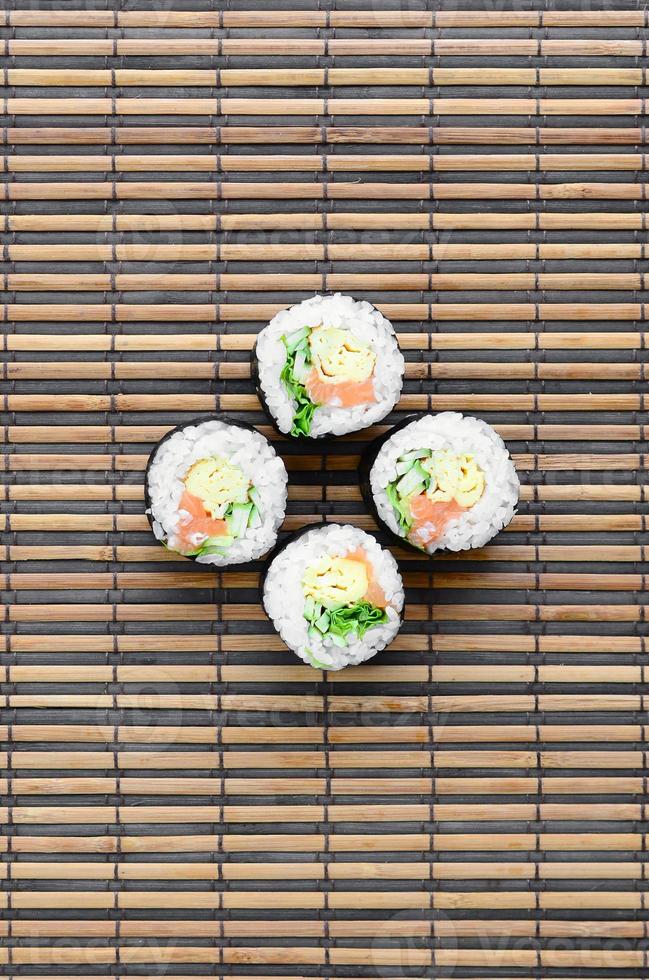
[(12, 596), (327, 268), (216, 721), (643, 812), (324, 126), (10, 177), (539, 298), (536, 656), (539, 826), (11, 723), (118, 594), (214, 238), (117, 726), (433, 659), (327, 799), (221, 201), (118, 857)]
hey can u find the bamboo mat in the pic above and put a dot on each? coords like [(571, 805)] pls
[(182, 796)]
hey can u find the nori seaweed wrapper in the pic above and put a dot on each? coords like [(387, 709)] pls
[(256, 380), (215, 417)]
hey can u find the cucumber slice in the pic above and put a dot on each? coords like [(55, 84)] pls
[(309, 608), (293, 340), (255, 497), (254, 519), (301, 368), (402, 468), (418, 489), (238, 519), (337, 641), (315, 662), (221, 541), (410, 482), (322, 623), (415, 454)]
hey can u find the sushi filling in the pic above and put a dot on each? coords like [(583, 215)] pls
[(326, 366), (334, 596), (342, 600), (218, 505), (433, 487)]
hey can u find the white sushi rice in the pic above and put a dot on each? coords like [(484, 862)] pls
[(459, 434), (284, 595), (368, 325), (244, 448)]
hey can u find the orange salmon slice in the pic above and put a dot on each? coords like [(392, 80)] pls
[(346, 393), (374, 594), (425, 511), (199, 522)]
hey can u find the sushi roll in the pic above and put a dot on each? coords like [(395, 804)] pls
[(328, 366), (440, 482), (215, 491), (334, 595)]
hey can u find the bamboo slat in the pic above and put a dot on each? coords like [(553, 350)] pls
[(233, 163), (340, 190), (597, 221), (260, 77), (353, 18), (40, 282), (179, 793), (383, 135), (303, 107)]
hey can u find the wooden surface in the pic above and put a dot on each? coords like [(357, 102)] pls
[(180, 795)]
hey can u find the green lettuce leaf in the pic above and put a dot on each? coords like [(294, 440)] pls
[(305, 408), (399, 506), (339, 623), (356, 619)]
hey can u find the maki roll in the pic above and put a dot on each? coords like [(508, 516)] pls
[(328, 366), (334, 595), (440, 482), (215, 491)]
